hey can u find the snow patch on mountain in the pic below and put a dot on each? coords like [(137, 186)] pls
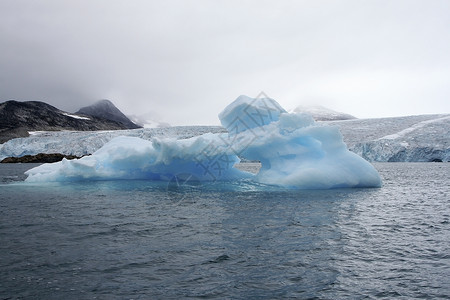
[(75, 116)]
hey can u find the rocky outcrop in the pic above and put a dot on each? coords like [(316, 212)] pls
[(38, 158)]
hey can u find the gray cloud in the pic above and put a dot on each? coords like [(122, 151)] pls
[(187, 59)]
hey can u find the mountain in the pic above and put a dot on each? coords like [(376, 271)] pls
[(320, 113), (18, 118), (149, 120), (105, 109)]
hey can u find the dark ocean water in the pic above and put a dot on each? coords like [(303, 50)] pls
[(147, 240)]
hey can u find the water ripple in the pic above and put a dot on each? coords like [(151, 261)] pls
[(136, 240)]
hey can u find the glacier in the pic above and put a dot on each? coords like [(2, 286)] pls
[(81, 143), (294, 151), (422, 138)]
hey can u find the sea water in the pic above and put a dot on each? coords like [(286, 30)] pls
[(181, 239)]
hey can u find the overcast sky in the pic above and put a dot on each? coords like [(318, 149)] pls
[(186, 60)]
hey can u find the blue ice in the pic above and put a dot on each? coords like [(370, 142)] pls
[(293, 149)]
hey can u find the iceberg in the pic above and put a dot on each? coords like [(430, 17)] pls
[(294, 151)]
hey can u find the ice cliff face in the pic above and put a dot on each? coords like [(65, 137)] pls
[(422, 138)]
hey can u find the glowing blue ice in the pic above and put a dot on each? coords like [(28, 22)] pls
[(293, 149)]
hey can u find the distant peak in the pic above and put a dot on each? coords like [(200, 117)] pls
[(107, 110), (321, 113), (100, 104), (104, 101)]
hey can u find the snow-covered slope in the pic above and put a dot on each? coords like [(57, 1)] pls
[(320, 113), (148, 120), (413, 138)]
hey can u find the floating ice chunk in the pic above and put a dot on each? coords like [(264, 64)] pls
[(294, 151), (205, 158)]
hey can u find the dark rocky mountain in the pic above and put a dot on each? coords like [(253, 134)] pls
[(18, 118), (105, 109)]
